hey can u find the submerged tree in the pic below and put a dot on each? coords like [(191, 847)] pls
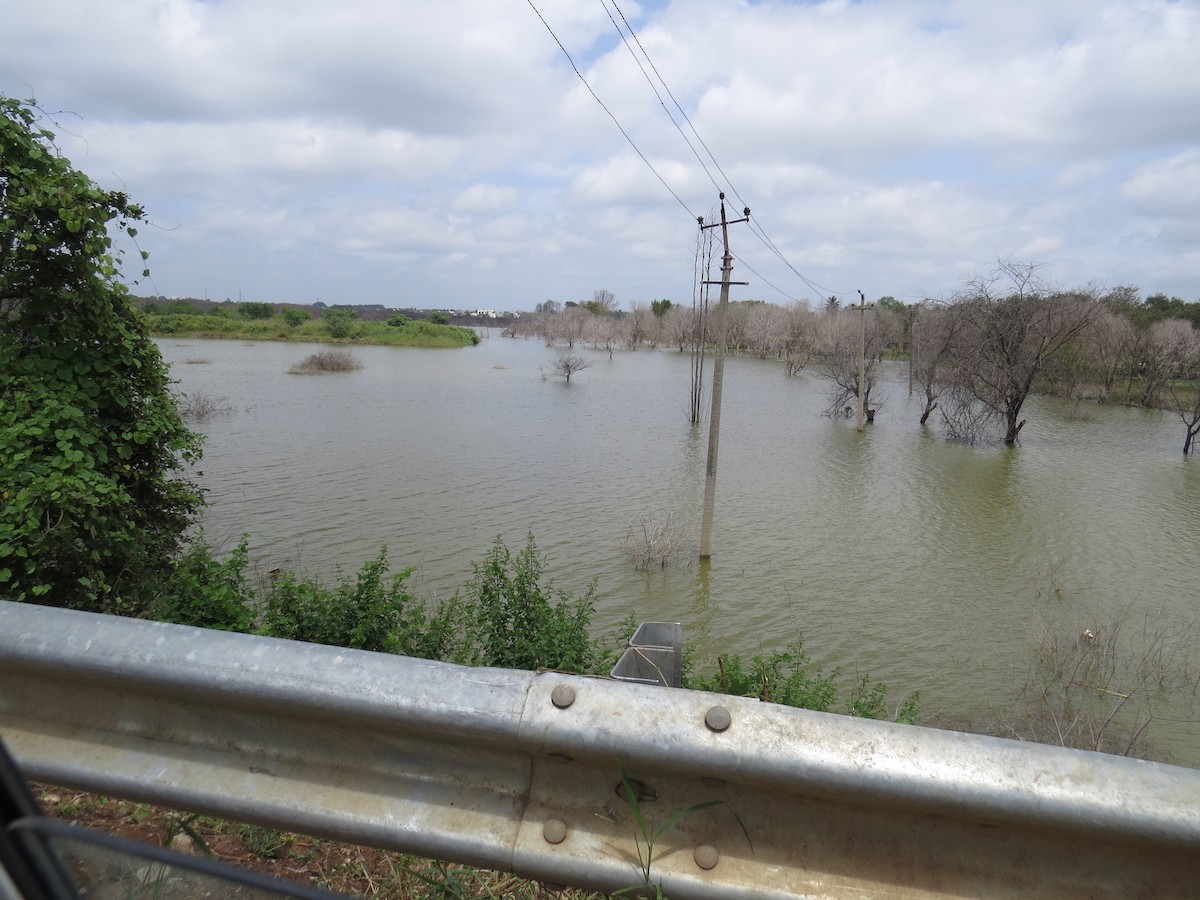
[(934, 331), (1012, 326), (1185, 387), (842, 360), (566, 365), (93, 502)]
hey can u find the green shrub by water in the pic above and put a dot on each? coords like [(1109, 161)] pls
[(508, 615)]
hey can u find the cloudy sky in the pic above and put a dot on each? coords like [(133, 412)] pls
[(444, 153)]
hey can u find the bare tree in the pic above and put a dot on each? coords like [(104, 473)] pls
[(603, 303), (679, 325), (766, 330), (1012, 327), (604, 332), (566, 365), (1185, 396), (640, 321), (1162, 352), (567, 327), (1111, 340), (840, 360), (801, 339), (935, 330)]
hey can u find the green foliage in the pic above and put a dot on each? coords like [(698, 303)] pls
[(168, 308), (371, 612), (293, 316), (339, 322), (786, 677), (660, 307), (438, 318), (415, 334), (255, 310), (92, 502), (398, 321), (206, 592), (516, 622)]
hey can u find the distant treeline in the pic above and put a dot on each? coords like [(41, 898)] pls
[(255, 309)]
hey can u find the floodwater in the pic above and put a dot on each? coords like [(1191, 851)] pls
[(931, 565)]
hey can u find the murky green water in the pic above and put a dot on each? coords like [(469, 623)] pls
[(932, 565)]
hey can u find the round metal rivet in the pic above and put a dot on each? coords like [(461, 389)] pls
[(707, 856), (555, 832), (562, 696), (718, 718)]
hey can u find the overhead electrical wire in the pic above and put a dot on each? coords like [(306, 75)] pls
[(756, 227), (609, 111), (654, 88)]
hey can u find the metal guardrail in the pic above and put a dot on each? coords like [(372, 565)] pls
[(519, 771)]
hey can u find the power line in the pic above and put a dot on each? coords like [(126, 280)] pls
[(650, 82), (607, 110), (758, 230)]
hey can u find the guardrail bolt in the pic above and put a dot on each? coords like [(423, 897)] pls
[(718, 719), (562, 696), (707, 856), (555, 832)]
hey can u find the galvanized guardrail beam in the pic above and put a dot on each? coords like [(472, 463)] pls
[(519, 771)]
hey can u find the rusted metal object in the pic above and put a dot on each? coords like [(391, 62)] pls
[(489, 767)]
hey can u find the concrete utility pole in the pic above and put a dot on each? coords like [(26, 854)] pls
[(714, 420)]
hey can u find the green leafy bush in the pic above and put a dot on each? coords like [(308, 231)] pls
[(93, 496), (371, 612), (510, 619), (398, 321), (255, 310), (787, 677), (339, 322), (294, 316), (207, 592)]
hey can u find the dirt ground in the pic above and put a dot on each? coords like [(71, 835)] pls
[(343, 868)]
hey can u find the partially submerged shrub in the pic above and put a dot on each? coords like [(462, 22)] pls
[(655, 543), (326, 361), (200, 405)]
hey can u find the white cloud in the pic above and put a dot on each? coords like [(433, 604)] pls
[(1167, 187), (303, 146)]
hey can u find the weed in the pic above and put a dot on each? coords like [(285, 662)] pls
[(264, 841), (185, 824), (1098, 679), (645, 837)]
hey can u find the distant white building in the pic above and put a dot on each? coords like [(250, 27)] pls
[(487, 313)]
